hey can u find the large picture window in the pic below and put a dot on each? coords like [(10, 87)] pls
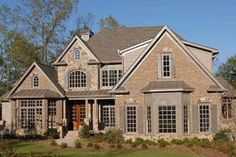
[(131, 118), (167, 119), (109, 116), (52, 113), (110, 77), (77, 78), (30, 114), (204, 118), (166, 65)]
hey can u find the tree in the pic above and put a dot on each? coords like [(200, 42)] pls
[(228, 70), (109, 22), (41, 21)]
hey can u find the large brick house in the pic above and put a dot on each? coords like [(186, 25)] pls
[(142, 80)]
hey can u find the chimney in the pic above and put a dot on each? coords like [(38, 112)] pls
[(86, 34)]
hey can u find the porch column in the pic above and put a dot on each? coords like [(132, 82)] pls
[(64, 113), (87, 112), (95, 116), (44, 116), (99, 113)]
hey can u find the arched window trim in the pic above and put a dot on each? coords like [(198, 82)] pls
[(35, 81), (77, 54), (77, 79)]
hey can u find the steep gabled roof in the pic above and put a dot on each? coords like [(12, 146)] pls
[(148, 50), (48, 71)]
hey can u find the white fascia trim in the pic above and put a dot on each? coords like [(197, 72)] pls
[(69, 45), (201, 46), (167, 90), (135, 47)]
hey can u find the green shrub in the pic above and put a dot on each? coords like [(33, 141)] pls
[(63, 145), (78, 144), (52, 142), (204, 143), (97, 146), (177, 141), (52, 133), (144, 146), (90, 144), (162, 143), (192, 142), (139, 141), (114, 136), (119, 146), (84, 132), (100, 137), (150, 142), (129, 141), (222, 135)]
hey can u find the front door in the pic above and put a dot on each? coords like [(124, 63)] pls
[(78, 111)]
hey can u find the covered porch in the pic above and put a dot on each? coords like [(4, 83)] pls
[(93, 108)]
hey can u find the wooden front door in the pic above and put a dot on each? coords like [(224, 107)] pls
[(78, 115)]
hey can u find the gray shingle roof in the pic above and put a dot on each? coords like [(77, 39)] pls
[(35, 93), (105, 44), (162, 86), (88, 94)]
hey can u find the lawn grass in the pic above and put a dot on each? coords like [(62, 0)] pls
[(69, 152)]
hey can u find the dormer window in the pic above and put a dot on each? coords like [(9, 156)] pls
[(166, 65), (77, 54), (35, 81)]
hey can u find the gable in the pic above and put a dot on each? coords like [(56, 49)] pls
[(76, 42), (198, 65), (26, 82)]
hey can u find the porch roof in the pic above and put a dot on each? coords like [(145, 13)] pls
[(89, 94), (35, 93), (167, 86)]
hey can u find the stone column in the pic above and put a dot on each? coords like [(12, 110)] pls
[(99, 113), (95, 116), (44, 116)]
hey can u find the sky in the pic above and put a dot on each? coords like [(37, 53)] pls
[(208, 22)]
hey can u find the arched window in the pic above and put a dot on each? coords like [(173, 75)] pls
[(77, 54), (77, 78), (35, 81)]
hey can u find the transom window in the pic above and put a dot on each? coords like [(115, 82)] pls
[(131, 119), (110, 77), (109, 116), (31, 114), (185, 119), (204, 118), (149, 117), (35, 81), (77, 54), (77, 78), (167, 119), (166, 65), (52, 113)]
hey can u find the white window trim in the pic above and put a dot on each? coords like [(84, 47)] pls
[(162, 64), (74, 53), (110, 106), (86, 80), (33, 83), (187, 119), (126, 120), (108, 75), (210, 129)]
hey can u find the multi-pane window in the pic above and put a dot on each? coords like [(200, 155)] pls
[(204, 118), (227, 108), (77, 78), (77, 54), (31, 114), (167, 119), (108, 116), (110, 77), (35, 81), (52, 113), (131, 119), (166, 65), (185, 119), (149, 119)]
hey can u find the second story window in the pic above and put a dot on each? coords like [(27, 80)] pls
[(166, 65), (35, 81), (77, 54), (110, 77), (77, 78)]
